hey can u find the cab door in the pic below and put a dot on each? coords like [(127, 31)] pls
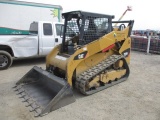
[(47, 38), (58, 33)]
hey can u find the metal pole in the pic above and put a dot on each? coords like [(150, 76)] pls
[(121, 17), (129, 8), (148, 46)]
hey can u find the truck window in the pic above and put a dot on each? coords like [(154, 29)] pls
[(33, 28), (58, 29), (47, 28)]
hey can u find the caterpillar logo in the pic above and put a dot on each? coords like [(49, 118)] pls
[(80, 56)]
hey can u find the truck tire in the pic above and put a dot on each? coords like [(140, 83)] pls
[(5, 60)]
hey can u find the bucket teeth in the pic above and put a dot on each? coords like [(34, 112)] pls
[(29, 102), (26, 98), (37, 112), (33, 107), (22, 95), (20, 91), (17, 87), (14, 86)]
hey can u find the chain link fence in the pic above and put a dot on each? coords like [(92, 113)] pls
[(148, 45)]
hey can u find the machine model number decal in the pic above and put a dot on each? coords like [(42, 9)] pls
[(80, 56)]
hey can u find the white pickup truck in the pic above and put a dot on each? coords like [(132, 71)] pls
[(43, 36)]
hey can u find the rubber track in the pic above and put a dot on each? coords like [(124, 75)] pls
[(83, 79)]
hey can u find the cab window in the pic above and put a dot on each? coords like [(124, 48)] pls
[(47, 29)]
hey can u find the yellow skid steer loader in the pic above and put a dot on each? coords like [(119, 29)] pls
[(93, 56)]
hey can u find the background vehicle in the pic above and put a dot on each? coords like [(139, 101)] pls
[(92, 60), (16, 16), (16, 40), (43, 36)]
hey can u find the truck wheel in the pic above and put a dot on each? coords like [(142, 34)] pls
[(5, 60)]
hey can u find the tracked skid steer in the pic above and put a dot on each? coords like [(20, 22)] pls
[(93, 56)]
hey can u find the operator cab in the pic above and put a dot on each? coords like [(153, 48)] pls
[(81, 28)]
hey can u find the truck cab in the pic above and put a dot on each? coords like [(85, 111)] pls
[(42, 38), (48, 34)]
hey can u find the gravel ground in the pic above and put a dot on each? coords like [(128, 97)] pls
[(138, 98)]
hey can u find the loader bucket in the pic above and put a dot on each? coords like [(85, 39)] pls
[(43, 92)]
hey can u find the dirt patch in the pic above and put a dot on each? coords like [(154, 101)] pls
[(138, 98)]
